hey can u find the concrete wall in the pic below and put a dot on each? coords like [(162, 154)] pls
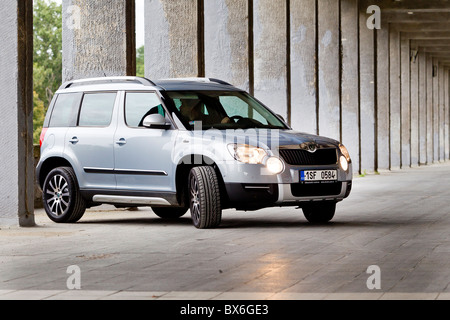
[(395, 99), (446, 113), (350, 79), (227, 46), (318, 65), (367, 102), (173, 40), (405, 104), (382, 96), (16, 131), (98, 38), (422, 61), (414, 105), (270, 54), (315, 62), (303, 66)]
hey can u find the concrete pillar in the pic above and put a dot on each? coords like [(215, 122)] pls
[(98, 38), (414, 96), (270, 54), (394, 83), (430, 117), (435, 111), (227, 40), (441, 118), (303, 66), (16, 131), (446, 115), (383, 125), (329, 68), (405, 103), (422, 108), (367, 93), (173, 38), (349, 79)]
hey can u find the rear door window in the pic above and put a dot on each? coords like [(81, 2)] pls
[(97, 109)]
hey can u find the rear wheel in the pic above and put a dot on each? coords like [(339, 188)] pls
[(204, 198), (61, 196), (319, 213), (169, 212)]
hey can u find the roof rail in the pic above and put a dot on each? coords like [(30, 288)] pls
[(199, 79), (143, 81), (220, 81)]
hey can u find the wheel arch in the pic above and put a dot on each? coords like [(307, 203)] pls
[(50, 164), (183, 169)]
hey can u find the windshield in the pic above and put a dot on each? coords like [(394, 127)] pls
[(222, 110)]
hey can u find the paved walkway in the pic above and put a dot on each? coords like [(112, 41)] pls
[(398, 222)]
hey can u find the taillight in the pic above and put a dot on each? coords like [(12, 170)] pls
[(41, 138)]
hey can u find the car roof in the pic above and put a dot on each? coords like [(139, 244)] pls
[(143, 84), (195, 84)]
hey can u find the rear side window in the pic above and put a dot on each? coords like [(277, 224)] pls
[(65, 111), (97, 109)]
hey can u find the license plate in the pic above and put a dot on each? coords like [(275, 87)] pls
[(318, 175)]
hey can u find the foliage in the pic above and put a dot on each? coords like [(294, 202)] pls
[(38, 117), (140, 70), (47, 57)]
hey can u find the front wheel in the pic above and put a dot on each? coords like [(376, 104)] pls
[(204, 198), (319, 213), (61, 196)]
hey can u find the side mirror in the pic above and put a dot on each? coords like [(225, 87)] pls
[(155, 121)]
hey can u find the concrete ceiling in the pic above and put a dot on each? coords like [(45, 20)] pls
[(424, 23)]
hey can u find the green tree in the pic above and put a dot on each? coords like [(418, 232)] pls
[(47, 57), (38, 117), (140, 70)]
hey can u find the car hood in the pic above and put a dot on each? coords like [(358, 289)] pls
[(290, 137), (270, 138)]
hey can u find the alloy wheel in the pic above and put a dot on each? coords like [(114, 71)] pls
[(58, 189)]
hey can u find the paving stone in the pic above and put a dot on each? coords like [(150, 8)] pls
[(389, 221)]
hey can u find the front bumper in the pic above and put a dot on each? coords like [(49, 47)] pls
[(257, 196), (250, 188)]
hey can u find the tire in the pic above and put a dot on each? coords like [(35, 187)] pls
[(204, 198), (61, 196), (319, 213), (169, 213)]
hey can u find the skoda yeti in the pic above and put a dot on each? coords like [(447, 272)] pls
[(179, 145)]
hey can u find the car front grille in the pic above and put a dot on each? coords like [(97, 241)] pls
[(299, 157), (316, 189)]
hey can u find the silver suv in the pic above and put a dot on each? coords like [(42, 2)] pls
[(181, 144)]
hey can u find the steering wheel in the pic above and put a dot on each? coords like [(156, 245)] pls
[(236, 118)]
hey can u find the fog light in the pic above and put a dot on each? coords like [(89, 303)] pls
[(344, 163), (274, 165)]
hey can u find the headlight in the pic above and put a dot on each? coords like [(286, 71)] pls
[(247, 154), (345, 153), (274, 165), (344, 163)]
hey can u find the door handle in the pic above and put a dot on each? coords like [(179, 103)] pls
[(121, 142), (74, 140)]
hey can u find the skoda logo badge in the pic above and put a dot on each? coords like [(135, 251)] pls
[(312, 147)]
